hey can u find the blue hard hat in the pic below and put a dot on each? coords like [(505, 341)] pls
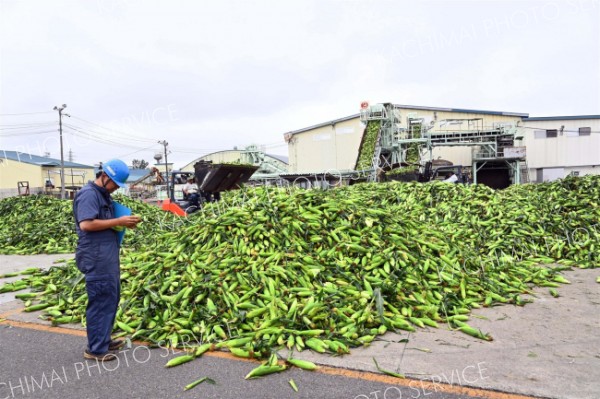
[(117, 171)]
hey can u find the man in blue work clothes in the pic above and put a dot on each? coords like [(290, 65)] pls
[(97, 256)]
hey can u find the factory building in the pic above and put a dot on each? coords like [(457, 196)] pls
[(558, 146), (22, 174), (544, 149), (334, 145)]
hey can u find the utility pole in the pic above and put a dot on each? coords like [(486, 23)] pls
[(165, 144), (62, 159)]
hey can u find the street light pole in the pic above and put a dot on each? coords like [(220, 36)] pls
[(165, 144), (62, 159)]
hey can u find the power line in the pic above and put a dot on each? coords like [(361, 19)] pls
[(25, 125), (135, 152), (175, 149), (188, 150), (82, 134), (104, 134), (86, 134), (21, 134), (109, 129), (105, 137), (27, 113), (26, 129), (118, 140)]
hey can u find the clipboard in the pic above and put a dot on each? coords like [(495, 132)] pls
[(120, 210)]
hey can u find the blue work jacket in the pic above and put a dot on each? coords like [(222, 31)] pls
[(97, 253)]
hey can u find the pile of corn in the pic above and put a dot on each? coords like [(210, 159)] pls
[(41, 224), (330, 270), (36, 224)]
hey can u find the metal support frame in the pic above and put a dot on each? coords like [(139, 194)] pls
[(393, 142), (491, 153), (515, 167)]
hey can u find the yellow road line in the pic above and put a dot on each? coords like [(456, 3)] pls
[(420, 385), (43, 327), (412, 383)]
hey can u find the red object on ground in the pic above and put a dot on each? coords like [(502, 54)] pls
[(172, 207)]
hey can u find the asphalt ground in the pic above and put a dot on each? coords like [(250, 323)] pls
[(549, 348), (49, 364)]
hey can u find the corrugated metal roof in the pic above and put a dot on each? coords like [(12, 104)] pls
[(135, 174), (560, 118), (463, 110), (333, 122), (281, 158), (459, 110), (39, 160)]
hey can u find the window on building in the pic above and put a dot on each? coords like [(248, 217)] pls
[(571, 133), (585, 131), (539, 134), (543, 134), (551, 133)]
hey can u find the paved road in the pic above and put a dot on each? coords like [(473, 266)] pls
[(46, 364)]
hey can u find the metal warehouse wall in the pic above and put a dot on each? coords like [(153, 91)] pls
[(332, 147), (12, 172), (568, 150)]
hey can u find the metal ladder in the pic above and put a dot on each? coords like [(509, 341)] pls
[(524, 172)]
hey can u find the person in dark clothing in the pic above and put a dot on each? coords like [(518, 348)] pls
[(99, 172), (97, 256)]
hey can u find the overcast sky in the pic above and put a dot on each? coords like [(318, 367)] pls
[(208, 76)]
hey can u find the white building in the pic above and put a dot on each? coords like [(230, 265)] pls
[(561, 145)]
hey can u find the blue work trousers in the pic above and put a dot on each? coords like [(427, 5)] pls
[(103, 301)]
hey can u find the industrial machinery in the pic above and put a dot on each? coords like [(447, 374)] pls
[(145, 186), (388, 143), (448, 173), (252, 155), (154, 172), (211, 179)]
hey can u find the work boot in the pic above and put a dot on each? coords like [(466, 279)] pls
[(105, 357), (116, 344)]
